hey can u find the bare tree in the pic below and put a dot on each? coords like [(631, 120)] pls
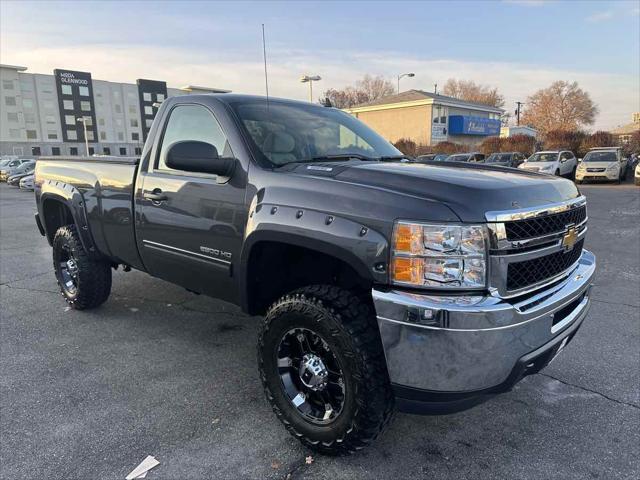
[(367, 89), (562, 106), (470, 91)]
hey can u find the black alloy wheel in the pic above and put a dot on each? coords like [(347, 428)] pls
[(311, 375)]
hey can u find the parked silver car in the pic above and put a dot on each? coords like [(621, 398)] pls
[(19, 172), (26, 183)]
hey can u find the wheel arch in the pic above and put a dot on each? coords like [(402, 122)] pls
[(329, 248)]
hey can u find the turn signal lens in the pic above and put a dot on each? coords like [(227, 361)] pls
[(407, 238), (407, 270)]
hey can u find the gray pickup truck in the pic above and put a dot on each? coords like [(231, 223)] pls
[(384, 284)]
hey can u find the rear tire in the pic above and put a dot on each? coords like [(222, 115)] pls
[(345, 337), (84, 282), (557, 174)]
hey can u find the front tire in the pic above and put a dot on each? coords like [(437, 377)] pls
[(84, 283), (323, 369)]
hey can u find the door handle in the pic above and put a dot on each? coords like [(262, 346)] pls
[(155, 195)]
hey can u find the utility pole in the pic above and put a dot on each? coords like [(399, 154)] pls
[(435, 88), (519, 104)]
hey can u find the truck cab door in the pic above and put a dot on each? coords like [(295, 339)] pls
[(191, 224)]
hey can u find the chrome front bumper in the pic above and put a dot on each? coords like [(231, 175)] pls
[(467, 343)]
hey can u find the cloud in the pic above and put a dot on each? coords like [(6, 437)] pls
[(617, 96), (600, 17)]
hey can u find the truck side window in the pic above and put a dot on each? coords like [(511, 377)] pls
[(192, 122)]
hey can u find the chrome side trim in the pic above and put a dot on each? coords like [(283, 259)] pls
[(169, 248), (524, 213)]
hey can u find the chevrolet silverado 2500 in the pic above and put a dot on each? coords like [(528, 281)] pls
[(384, 284)]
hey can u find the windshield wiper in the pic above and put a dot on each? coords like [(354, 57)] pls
[(392, 158), (341, 156)]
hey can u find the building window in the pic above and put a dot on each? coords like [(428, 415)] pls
[(106, 151), (51, 135), (10, 101), (138, 151), (84, 91), (146, 96), (14, 133), (88, 121), (47, 91), (148, 122), (73, 150), (119, 122), (48, 104), (101, 122), (29, 118), (117, 108), (12, 117), (99, 94), (131, 95), (7, 84), (160, 97), (67, 104), (116, 94), (135, 136), (92, 150), (85, 106), (123, 150), (32, 135), (36, 151), (55, 151), (148, 110), (132, 109), (72, 135), (69, 120), (66, 90), (27, 103), (103, 135), (90, 135), (50, 119), (120, 136), (134, 122)]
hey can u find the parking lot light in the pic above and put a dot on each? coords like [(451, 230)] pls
[(310, 79), (404, 75)]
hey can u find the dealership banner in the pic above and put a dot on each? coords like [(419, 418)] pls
[(471, 125)]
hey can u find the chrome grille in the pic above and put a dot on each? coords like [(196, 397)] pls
[(524, 274), (526, 245), (539, 226)]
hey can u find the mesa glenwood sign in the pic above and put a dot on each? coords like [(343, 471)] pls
[(70, 77)]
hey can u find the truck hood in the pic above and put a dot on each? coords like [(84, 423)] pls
[(470, 190)]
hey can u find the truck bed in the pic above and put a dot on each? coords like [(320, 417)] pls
[(102, 189)]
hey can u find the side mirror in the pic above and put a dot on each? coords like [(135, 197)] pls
[(199, 157)]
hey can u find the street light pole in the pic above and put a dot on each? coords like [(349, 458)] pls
[(519, 104), (84, 126), (310, 79), (404, 75)]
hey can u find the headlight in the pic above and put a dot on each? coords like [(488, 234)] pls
[(581, 166), (439, 256), (546, 168)]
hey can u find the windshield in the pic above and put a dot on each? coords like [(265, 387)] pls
[(600, 157), (499, 157), (459, 158), (288, 132), (543, 157), (25, 167), (441, 157)]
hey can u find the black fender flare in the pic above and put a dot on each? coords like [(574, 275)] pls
[(364, 249), (69, 196)]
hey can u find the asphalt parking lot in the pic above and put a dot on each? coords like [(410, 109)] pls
[(159, 371)]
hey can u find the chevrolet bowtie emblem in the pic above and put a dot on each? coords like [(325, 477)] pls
[(569, 239)]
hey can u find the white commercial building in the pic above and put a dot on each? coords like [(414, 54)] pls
[(47, 114)]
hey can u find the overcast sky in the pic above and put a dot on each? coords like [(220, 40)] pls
[(518, 46)]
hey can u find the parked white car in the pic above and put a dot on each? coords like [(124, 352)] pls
[(26, 183), (603, 164), (554, 162), (637, 175)]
